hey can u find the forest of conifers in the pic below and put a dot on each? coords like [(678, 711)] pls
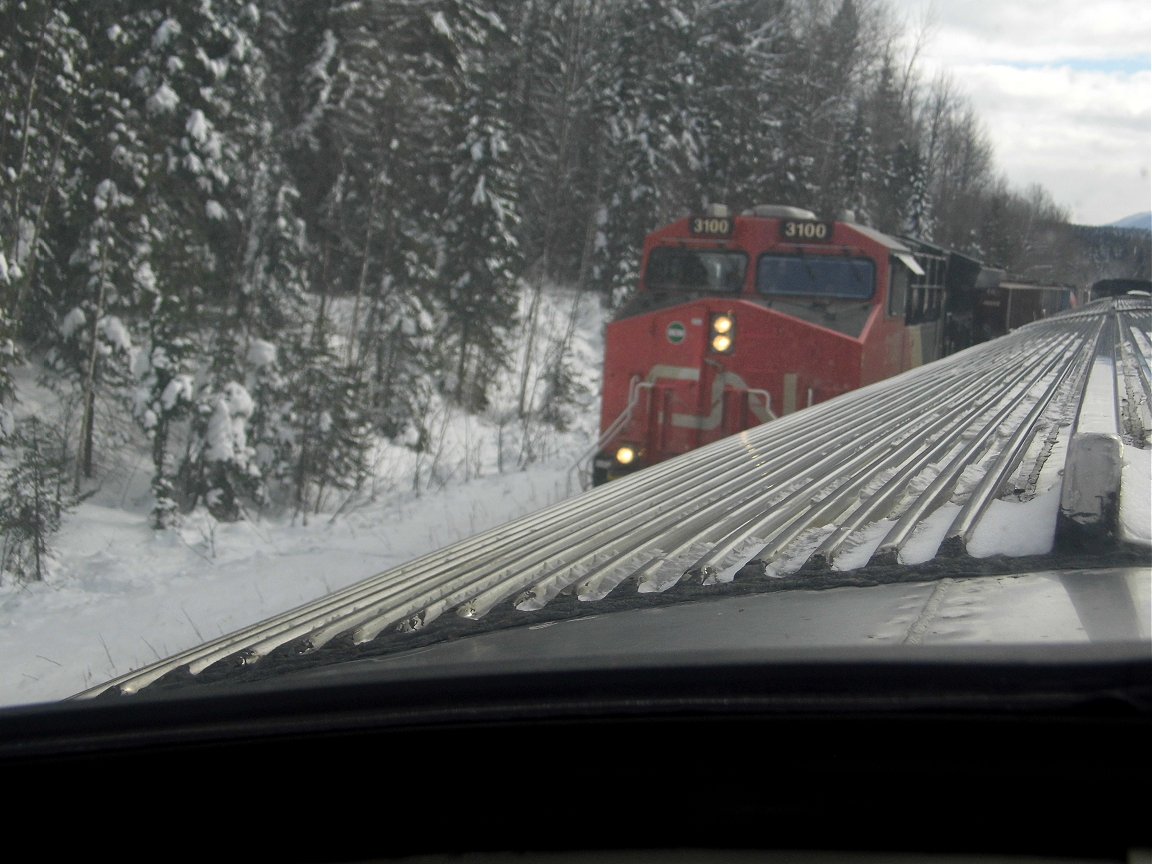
[(191, 189)]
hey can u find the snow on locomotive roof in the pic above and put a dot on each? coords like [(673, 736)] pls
[(887, 240), (779, 211)]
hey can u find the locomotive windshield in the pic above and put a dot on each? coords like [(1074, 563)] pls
[(693, 270), (818, 276)]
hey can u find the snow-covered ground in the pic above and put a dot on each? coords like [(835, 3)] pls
[(120, 595), (123, 595)]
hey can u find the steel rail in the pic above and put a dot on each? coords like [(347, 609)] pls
[(881, 503), (1135, 350), (959, 533), (712, 519), (681, 493), (888, 551), (867, 471), (494, 589), (705, 525), (845, 464), (302, 619), (913, 457)]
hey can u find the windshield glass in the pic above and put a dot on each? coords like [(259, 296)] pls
[(688, 270), (312, 345), (815, 276)]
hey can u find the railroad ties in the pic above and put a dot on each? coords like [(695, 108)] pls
[(1015, 448)]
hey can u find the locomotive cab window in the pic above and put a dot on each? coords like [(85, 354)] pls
[(695, 270), (816, 276)]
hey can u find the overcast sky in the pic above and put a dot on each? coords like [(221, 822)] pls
[(1063, 87)]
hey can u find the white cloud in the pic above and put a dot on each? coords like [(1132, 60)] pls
[(1054, 84), (1085, 136), (1035, 31)]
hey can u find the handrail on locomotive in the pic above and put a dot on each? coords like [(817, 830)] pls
[(581, 465)]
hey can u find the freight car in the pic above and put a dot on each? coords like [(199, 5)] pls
[(1118, 286), (998, 303)]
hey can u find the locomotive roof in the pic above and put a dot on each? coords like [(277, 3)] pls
[(895, 244), (909, 480)]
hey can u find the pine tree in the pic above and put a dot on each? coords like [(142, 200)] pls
[(481, 257), (648, 144), (856, 170), (43, 52), (738, 103), (197, 79), (898, 189), (272, 431), (838, 62), (367, 144), (164, 396), (552, 123), (220, 469), (331, 447), (33, 500), (103, 234), (95, 345), (909, 177)]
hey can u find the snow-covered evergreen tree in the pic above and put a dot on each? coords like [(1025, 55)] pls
[(737, 92), (220, 469), (648, 144), (335, 204), (551, 97), (909, 176), (164, 396), (94, 343), (480, 256), (33, 498), (194, 76), (43, 51), (330, 449), (367, 136), (271, 428)]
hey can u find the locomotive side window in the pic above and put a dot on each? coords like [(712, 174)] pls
[(691, 270), (925, 298), (816, 275)]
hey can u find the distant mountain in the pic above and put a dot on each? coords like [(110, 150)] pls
[(1136, 220)]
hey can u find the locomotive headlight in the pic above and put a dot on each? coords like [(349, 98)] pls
[(721, 344), (625, 455), (723, 333)]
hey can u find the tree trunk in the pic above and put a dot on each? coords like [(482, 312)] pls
[(365, 261), (522, 406), (87, 424)]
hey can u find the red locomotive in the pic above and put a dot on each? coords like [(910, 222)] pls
[(738, 320)]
